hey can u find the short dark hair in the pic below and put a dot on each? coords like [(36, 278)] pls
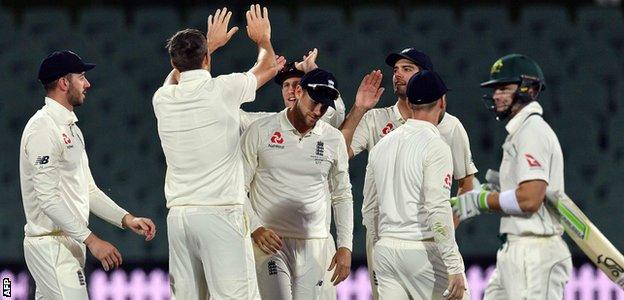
[(50, 86), (187, 49)]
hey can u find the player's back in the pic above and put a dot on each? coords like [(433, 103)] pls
[(398, 161), (198, 124)]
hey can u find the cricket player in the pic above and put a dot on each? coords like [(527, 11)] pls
[(534, 262), (58, 191), (288, 79), (295, 167), (365, 126), (210, 253), (408, 177)]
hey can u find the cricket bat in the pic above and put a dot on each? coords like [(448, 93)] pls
[(583, 232)]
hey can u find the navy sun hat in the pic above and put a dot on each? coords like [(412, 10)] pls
[(61, 63), (425, 87), (321, 86), (288, 71), (418, 57)]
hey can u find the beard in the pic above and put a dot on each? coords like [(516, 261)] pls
[(400, 91), (76, 98)]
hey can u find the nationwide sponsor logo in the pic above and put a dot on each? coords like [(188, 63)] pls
[(277, 140), (42, 160), (6, 287), (533, 163), (448, 180), (66, 139), (387, 129)]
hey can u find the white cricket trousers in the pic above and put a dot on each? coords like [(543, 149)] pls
[(56, 263), (369, 262), (409, 270), (296, 271), (210, 253), (530, 267)]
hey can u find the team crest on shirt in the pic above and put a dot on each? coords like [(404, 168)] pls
[(448, 180), (533, 163), (277, 140), (319, 152), (387, 129)]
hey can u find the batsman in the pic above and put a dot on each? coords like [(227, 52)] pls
[(534, 262)]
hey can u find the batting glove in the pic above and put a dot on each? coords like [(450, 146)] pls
[(470, 204)]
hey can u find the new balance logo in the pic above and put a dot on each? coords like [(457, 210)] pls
[(272, 267), (319, 283), (42, 160)]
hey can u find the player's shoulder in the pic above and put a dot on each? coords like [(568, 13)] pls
[(264, 122), (328, 130), (535, 125), (379, 112)]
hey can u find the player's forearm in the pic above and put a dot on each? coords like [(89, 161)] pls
[(350, 124), (265, 64), (105, 208), (62, 216), (343, 219), (526, 199), (465, 184), (440, 221)]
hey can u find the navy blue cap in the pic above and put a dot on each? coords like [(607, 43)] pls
[(425, 87), (419, 58), (288, 71), (61, 63), (321, 86)]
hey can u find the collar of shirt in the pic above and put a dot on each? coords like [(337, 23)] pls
[(286, 125), (397, 113), (194, 75), (420, 123), (59, 113), (514, 124)]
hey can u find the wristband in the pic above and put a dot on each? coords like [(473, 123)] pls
[(509, 203)]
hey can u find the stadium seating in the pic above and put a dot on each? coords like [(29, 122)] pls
[(579, 49)]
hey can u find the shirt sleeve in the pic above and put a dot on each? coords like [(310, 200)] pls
[(462, 156), (239, 88), (372, 198), (533, 155), (437, 171), (249, 149), (246, 118), (44, 153), (341, 197), (361, 136), (100, 204)]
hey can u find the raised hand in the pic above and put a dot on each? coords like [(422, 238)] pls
[(370, 90), (309, 61), (258, 25), (218, 34)]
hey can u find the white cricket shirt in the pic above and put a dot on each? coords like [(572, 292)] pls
[(292, 179), (531, 152), (198, 125), (378, 122), (408, 179), (58, 190)]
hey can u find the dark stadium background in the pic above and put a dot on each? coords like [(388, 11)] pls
[(579, 45)]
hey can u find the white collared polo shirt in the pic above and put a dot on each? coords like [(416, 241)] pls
[(292, 178), (56, 182), (378, 122)]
